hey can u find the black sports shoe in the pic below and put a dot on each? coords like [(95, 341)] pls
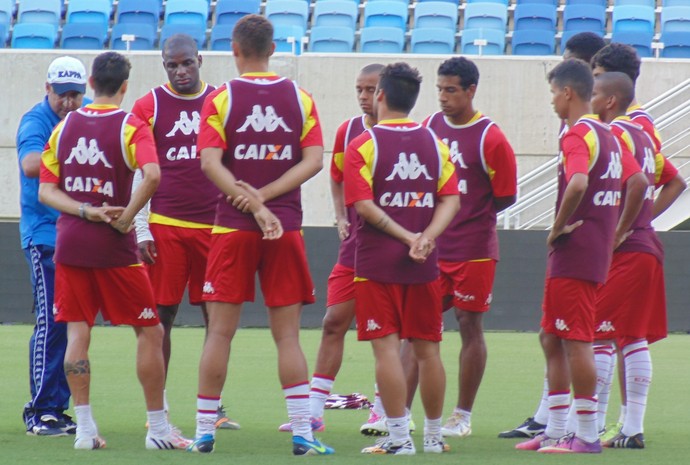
[(66, 424), (528, 429), (47, 425), (621, 441)]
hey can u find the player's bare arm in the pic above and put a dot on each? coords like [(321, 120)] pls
[(149, 183), (338, 196), (50, 194), (636, 187), (31, 164), (571, 200), (668, 194)]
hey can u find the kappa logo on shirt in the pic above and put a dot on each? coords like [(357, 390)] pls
[(264, 120), (455, 154), (649, 164), (372, 325), (605, 327), (615, 169), (208, 288), (91, 154), (147, 314), (186, 125), (561, 326), (408, 168)]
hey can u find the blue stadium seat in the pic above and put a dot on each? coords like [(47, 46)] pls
[(6, 12), (584, 18), (675, 19), (288, 38), (430, 40), (40, 11), (382, 40), (649, 3), (83, 36), (667, 3), (533, 42), (633, 18), (144, 36), (221, 37), (436, 15), (535, 16), (288, 13), (539, 2), (568, 34), (138, 11), (496, 42), (603, 3), (197, 32), (332, 39), (231, 11), (454, 2), (335, 13), (502, 2), (34, 35), (89, 11), (485, 16), (386, 14), (191, 12), (641, 41), (676, 44)]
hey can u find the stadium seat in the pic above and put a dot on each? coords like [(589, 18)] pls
[(533, 42), (288, 13), (40, 11), (89, 11), (535, 16), (634, 18), (144, 36), (198, 33), (675, 19), (641, 41), (83, 36), (332, 39), (568, 34), (486, 16), (430, 40), (502, 2), (138, 11), (386, 14), (34, 35), (335, 13), (221, 37), (584, 18), (382, 40), (667, 3), (676, 44), (649, 3), (454, 2), (539, 2), (6, 12), (191, 12), (436, 15), (4, 33), (603, 3), (230, 11), (496, 42), (288, 38)]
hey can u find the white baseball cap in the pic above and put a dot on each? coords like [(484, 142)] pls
[(67, 74)]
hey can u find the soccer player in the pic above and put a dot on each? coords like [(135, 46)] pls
[(631, 306), (401, 181), (86, 174), (44, 414), (583, 46), (175, 237), (264, 130), (340, 305), (468, 249), (589, 175)]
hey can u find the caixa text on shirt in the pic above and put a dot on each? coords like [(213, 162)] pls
[(89, 184)]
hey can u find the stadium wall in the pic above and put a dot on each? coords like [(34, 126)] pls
[(512, 90), (517, 291)]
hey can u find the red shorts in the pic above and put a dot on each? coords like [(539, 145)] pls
[(569, 308), (632, 303), (235, 258), (123, 295), (412, 310), (469, 284), (181, 261), (341, 285)]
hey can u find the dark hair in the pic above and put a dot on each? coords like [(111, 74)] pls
[(400, 84), (584, 45), (575, 74), (254, 35), (619, 85), (108, 72), (179, 41), (618, 57), (372, 68), (461, 67)]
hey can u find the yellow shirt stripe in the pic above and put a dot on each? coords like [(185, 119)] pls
[(156, 218), (49, 156)]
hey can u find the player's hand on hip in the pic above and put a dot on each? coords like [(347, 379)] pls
[(269, 223), (148, 251)]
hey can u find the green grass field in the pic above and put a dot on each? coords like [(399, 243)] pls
[(509, 393)]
